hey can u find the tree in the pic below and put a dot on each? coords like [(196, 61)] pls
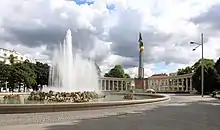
[(217, 66), (4, 73), (207, 62), (21, 73), (12, 76), (127, 75), (117, 72), (29, 74), (186, 70), (26, 73), (3, 70), (42, 73), (211, 77)]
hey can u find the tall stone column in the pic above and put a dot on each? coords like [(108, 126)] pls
[(109, 85), (113, 85), (141, 58), (117, 85), (171, 83), (126, 85), (191, 89), (187, 87), (178, 84), (122, 85), (104, 85), (182, 89), (150, 83), (140, 81)]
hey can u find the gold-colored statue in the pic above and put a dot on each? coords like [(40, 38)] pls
[(141, 44)]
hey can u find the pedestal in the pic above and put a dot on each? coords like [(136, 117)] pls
[(140, 83)]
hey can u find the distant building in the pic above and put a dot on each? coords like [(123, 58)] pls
[(162, 74), (5, 54)]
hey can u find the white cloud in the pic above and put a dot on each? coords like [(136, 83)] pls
[(34, 27)]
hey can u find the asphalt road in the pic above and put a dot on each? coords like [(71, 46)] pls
[(181, 113)]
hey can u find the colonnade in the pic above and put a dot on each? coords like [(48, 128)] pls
[(180, 83), (116, 84)]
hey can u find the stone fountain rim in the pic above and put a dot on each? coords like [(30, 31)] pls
[(157, 97), (58, 107)]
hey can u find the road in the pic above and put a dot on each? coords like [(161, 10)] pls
[(181, 113)]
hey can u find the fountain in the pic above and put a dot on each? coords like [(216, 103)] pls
[(70, 72), (73, 81)]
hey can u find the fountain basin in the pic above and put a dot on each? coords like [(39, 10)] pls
[(57, 107)]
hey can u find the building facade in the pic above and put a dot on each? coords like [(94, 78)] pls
[(5, 54)]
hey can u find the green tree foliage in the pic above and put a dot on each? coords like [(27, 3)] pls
[(211, 75), (207, 62), (42, 73), (127, 75), (3, 71), (117, 72), (26, 73), (186, 70), (217, 66)]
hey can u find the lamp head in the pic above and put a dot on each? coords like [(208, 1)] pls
[(191, 42), (194, 49)]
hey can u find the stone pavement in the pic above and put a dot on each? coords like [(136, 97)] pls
[(181, 113)]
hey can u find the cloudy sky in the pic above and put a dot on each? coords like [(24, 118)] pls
[(107, 30)]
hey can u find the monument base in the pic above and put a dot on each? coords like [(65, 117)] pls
[(140, 83)]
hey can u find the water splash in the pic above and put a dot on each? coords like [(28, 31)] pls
[(70, 72)]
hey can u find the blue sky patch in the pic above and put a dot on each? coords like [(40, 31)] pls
[(110, 6), (163, 68), (81, 2)]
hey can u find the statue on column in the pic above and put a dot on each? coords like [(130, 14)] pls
[(140, 82), (141, 57), (141, 44)]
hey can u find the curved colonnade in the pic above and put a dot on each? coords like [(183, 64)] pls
[(179, 83)]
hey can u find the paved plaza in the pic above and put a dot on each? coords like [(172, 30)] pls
[(180, 113)]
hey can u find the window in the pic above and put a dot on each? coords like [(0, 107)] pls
[(5, 54)]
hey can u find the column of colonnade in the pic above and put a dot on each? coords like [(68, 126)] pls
[(114, 84), (171, 83)]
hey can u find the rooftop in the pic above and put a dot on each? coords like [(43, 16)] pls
[(9, 50)]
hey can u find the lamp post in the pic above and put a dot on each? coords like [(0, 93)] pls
[(202, 62)]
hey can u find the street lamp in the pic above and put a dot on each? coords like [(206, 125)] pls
[(202, 62)]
